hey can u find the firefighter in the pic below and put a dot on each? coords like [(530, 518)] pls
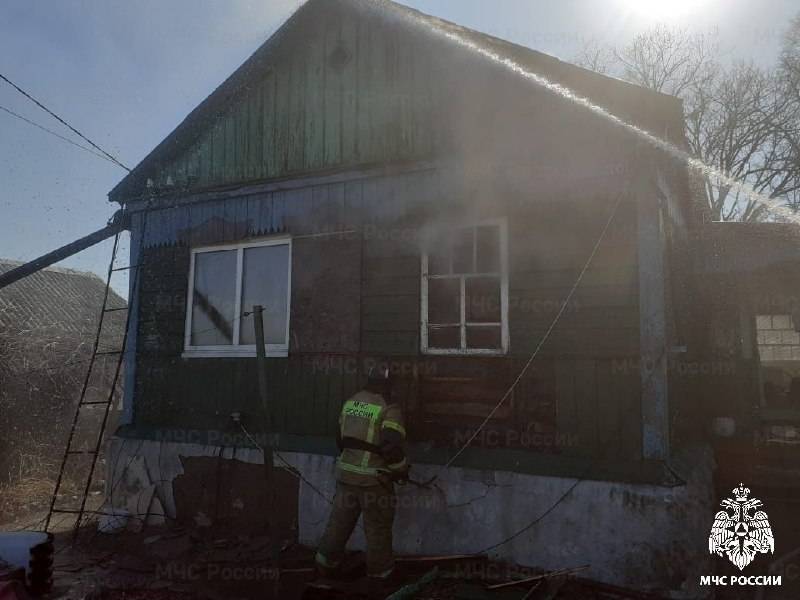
[(371, 440)]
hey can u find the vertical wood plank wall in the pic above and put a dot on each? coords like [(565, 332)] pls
[(339, 92), (355, 301)]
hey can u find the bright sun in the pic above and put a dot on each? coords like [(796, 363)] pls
[(662, 10)]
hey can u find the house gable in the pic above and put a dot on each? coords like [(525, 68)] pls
[(344, 84), (330, 88)]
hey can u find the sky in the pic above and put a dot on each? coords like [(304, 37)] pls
[(126, 72)]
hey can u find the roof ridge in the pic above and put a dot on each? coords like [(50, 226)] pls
[(52, 269)]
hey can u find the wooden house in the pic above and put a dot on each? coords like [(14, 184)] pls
[(395, 189)]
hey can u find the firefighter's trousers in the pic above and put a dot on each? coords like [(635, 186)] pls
[(377, 504)]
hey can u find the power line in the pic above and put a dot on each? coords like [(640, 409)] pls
[(62, 121), (58, 135)]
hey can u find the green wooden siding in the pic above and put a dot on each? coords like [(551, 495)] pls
[(336, 91), (356, 300)]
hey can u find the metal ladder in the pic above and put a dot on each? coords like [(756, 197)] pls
[(70, 451)]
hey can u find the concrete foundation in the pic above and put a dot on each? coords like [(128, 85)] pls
[(630, 534)]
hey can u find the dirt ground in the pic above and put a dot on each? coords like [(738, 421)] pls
[(171, 563)]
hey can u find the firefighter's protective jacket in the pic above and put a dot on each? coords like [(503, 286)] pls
[(372, 439)]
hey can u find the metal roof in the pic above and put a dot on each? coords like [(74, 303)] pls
[(57, 300)]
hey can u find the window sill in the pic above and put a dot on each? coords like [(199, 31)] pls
[(462, 352), (233, 353)]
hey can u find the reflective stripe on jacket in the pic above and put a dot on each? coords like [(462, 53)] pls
[(368, 418)]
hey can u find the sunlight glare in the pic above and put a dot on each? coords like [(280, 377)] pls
[(662, 10)]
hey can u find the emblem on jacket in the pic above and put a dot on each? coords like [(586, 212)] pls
[(741, 531)]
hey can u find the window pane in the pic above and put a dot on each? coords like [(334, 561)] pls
[(444, 337), (483, 337), (463, 248), (214, 298), (439, 256), (265, 281), (487, 238), (444, 303), (483, 299)]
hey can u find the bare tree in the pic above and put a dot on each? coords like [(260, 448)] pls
[(596, 56), (668, 60), (789, 73), (790, 56), (741, 121)]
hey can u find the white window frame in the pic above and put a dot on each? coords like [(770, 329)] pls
[(247, 350), (502, 225)]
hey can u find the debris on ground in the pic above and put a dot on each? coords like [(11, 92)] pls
[(177, 563)]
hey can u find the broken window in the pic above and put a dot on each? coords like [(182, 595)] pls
[(225, 284), (465, 291)]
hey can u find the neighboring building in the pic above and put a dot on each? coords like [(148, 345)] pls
[(65, 301), (750, 384), (752, 274), (390, 194), (48, 324)]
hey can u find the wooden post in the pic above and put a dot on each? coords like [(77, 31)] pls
[(120, 221), (266, 446), (261, 361), (652, 322)]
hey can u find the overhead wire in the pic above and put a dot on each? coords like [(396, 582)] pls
[(64, 122), (58, 135)]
